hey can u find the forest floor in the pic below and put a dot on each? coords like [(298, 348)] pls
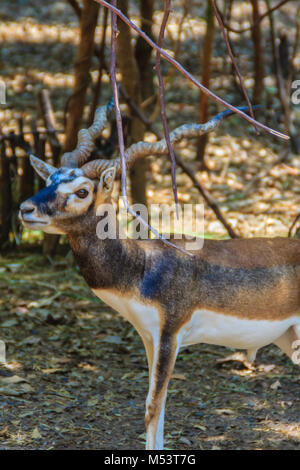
[(76, 374)]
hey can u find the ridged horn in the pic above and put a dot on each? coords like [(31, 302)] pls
[(86, 139), (141, 149)]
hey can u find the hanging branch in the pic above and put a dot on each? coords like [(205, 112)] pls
[(6, 203), (206, 75), (185, 168), (293, 225), (225, 36), (184, 72), (162, 101), (82, 78), (258, 55), (206, 196), (114, 32), (50, 124)]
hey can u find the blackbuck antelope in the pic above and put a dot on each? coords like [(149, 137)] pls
[(237, 293)]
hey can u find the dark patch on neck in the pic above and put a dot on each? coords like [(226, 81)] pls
[(107, 263)]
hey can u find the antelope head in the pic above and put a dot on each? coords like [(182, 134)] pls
[(74, 191)]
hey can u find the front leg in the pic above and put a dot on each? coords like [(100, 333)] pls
[(165, 350)]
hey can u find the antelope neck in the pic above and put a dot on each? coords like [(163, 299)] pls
[(108, 264)]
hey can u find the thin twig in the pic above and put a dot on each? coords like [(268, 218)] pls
[(267, 13), (184, 72), (225, 36), (297, 37), (162, 101), (265, 171), (185, 168), (114, 33), (293, 225), (206, 196), (101, 65)]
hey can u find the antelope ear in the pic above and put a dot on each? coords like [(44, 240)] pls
[(43, 169), (107, 179)]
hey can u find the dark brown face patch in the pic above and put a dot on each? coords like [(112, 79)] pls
[(44, 200)]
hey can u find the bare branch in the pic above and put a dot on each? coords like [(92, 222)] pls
[(162, 101), (187, 74), (225, 36), (261, 17), (114, 32)]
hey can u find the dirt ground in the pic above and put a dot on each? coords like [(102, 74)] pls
[(75, 375)]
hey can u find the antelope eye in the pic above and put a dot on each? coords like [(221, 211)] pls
[(82, 193)]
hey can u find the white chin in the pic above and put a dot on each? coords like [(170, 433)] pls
[(53, 230), (44, 227)]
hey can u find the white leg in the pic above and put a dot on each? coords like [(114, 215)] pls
[(285, 341), (251, 355), (165, 353)]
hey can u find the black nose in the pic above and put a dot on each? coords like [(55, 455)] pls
[(27, 207)]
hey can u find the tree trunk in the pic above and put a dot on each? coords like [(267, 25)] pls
[(101, 66), (5, 197), (206, 76), (131, 83), (50, 242), (259, 71), (25, 175), (88, 23), (50, 124), (143, 50)]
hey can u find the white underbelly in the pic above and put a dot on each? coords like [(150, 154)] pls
[(145, 318), (226, 330), (203, 327)]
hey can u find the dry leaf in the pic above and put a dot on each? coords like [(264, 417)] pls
[(236, 357), (275, 385), (31, 340), (36, 434), (14, 379), (93, 401), (186, 441), (199, 426), (51, 371), (4, 430), (224, 411), (27, 388), (178, 376), (8, 323)]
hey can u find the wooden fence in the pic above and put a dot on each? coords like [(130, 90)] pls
[(18, 181)]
